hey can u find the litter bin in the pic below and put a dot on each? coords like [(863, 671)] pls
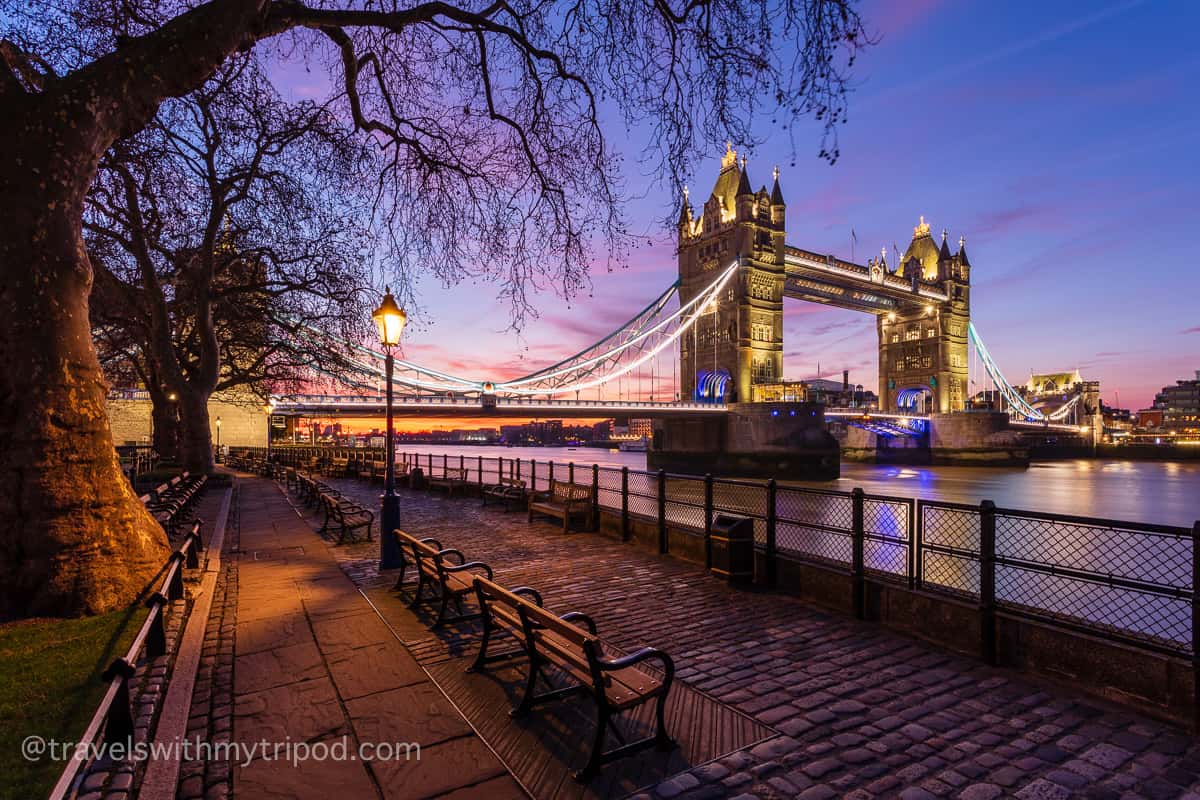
[(416, 478), (733, 548)]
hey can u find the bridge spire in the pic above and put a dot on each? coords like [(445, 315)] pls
[(962, 251), (776, 192), (744, 181)]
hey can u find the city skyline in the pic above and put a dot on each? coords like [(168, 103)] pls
[(1044, 147)]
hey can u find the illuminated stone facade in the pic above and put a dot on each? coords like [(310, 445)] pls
[(740, 342), (923, 346), (922, 307)]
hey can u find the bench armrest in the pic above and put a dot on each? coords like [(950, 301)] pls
[(450, 551), (470, 565), (529, 590), (432, 541), (668, 666), (578, 616)]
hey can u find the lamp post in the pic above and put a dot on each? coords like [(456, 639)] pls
[(270, 409), (390, 320), (218, 439)]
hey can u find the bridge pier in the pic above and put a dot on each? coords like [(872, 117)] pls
[(786, 441)]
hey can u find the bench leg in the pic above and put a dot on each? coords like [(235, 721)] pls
[(399, 585), (416, 601), (595, 759), (662, 741), (441, 618), (535, 669)]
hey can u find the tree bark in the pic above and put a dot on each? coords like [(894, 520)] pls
[(164, 416), (195, 440), (73, 537)]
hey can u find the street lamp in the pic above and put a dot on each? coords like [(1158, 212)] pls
[(390, 320), (218, 438), (269, 408)]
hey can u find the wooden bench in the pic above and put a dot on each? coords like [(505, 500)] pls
[(452, 478), (509, 491), (570, 643), (404, 544), (435, 569), (563, 501), (337, 467), (346, 515)]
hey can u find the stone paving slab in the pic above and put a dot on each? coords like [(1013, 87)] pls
[(865, 712), (313, 663)]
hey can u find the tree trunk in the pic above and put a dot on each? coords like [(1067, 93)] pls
[(164, 415), (73, 537), (195, 440)]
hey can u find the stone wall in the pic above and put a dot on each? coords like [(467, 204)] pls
[(243, 422)]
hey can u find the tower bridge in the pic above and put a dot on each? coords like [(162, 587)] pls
[(922, 307), (721, 324)]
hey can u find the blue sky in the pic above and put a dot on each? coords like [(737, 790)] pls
[(1058, 137)]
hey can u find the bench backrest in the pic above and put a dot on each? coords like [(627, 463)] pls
[(455, 474), (564, 491), (540, 618), (514, 482)]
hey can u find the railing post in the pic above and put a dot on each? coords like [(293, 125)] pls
[(624, 504), (517, 464), (156, 638), (1196, 626), (462, 463), (570, 472), (551, 462), (445, 463), (857, 572), (595, 497), (772, 545), (118, 725), (987, 581), (912, 545), (499, 468), (662, 512), (479, 470), (532, 475), (708, 519)]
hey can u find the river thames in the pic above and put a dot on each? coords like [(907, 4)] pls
[(1166, 493)]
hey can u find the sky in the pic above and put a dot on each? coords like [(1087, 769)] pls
[(1060, 138)]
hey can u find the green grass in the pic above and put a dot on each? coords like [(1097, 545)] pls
[(50, 687)]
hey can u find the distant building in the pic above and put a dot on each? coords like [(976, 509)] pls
[(1180, 406)]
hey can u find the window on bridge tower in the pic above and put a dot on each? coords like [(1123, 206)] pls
[(911, 334)]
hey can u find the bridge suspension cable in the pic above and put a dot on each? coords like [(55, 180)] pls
[(630, 346), (1018, 405)]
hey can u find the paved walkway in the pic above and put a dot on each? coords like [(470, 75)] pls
[(864, 712), (314, 663)]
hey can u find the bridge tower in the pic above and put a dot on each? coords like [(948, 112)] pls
[(923, 349), (739, 343)]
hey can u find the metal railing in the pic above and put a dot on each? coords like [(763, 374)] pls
[(112, 724), (1129, 581)]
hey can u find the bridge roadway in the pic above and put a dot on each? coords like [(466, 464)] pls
[(436, 406)]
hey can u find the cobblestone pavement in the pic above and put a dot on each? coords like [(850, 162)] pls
[(211, 716), (863, 711)]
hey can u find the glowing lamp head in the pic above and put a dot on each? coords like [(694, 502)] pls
[(929, 311), (218, 422), (489, 387), (891, 317), (390, 319)]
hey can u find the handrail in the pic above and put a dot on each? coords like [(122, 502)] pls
[(114, 714)]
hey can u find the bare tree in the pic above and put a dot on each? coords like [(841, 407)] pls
[(230, 232), (488, 120)]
